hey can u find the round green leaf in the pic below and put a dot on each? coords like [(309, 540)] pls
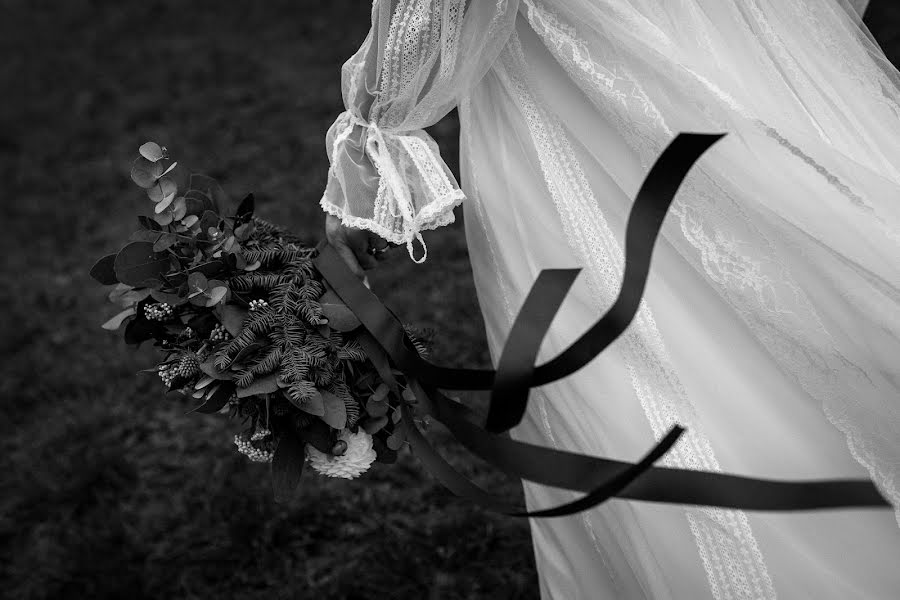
[(394, 441), (179, 208), (138, 265), (197, 282), (164, 242), (376, 408), (145, 172), (152, 151), (372, 426), (163, 218), (381, 392), (189, 220), (163, 192), (216, 295)]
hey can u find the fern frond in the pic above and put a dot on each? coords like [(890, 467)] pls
[(269, 363), (244, 378), (352, 351), (300, 391)]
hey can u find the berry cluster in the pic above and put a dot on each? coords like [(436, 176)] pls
[(258, 304), (260, 434), (219, 333), (253, 451), (187, 333), (167, 373), (158, 312)]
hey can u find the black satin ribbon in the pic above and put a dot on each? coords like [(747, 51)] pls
[(516, 374)]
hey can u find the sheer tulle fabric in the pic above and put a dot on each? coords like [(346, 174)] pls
[(771, 323), (419, 59)]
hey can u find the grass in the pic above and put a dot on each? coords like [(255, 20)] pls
[(109, 489)]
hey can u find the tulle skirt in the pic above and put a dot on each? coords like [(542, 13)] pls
[(770, 325)]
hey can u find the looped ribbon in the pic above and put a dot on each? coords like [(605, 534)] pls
[(377, 148), (385, 342)]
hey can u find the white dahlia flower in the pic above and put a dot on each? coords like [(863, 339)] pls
[(355, 461)]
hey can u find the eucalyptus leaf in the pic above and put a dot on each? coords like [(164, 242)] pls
[(145, 172), (381, 391), (179, 208), (104, 270), (116, 321), (165, 241), (216, 295), (152, 151), (374, 425), (394, 441), (287, 466), (197, 282), (264, 385), (243, 232), (190, 220), (376, 408), (138, 265), (335, 410), (170, 168), (197, 202), (164, 218), (163, 192)]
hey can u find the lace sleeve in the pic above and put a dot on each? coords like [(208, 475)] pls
[(420, 58)]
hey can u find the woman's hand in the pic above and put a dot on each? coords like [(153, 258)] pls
[(355, 245)]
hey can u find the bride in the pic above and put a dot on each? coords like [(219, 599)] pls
[(770, 326)]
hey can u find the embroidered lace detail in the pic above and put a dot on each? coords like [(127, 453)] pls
[(733, 562), (741, 260), (408, 165), (386, 173)]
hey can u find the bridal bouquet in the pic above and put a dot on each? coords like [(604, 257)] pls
[(254, 323), (247, 326)]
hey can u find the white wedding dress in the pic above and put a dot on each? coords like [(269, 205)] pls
[(770, 327)]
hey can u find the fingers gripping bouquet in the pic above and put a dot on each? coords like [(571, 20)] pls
[(248, 327)]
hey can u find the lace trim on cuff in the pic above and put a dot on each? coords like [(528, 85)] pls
[(435, 214)]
